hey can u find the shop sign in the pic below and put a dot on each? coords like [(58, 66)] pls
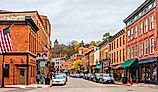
[(13, 17)]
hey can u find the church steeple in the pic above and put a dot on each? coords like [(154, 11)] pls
[(56, 43)]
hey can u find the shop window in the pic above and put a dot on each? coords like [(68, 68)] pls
[(154, 71), (6, 70)]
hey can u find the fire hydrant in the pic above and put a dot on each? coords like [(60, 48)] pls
[(131, 81)]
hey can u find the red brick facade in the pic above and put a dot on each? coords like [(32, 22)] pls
[(28, 40)]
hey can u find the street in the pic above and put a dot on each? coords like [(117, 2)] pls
[(81, 85)]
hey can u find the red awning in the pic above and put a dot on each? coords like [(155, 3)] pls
[(116, 67), (106, 68)]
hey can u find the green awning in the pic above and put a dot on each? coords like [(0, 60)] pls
[(130, 64), (98, 67)]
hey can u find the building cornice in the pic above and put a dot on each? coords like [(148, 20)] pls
[(141, 7)]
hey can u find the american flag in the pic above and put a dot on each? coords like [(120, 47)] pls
[(6, 44)]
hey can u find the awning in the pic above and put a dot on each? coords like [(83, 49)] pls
[(117, 67), (98, 67), (130, 64), (106, 68)]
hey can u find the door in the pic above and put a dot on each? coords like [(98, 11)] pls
[(22, 75)]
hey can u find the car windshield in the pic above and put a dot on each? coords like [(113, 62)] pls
[(59, 77), (107, 75), (97, 75)]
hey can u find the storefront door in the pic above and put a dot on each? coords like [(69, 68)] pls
[(22, 75)]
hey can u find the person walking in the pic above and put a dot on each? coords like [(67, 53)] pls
[(38, 77)]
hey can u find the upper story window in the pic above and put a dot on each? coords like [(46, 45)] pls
[(151, 45), (146, 25), (151, 22), (128, 52), (140, 28), (123, 39), (132, 34), (120, 41), (135, 51), (146, 47), (135, 32), (141, 50), (129, 33), (117, 43)]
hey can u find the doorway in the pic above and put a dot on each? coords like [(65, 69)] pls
[(22, 76)]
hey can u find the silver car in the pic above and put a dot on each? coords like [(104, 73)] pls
[(106, 78), (59, 79)]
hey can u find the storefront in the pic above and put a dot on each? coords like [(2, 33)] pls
[(148, 70), (131, 69)]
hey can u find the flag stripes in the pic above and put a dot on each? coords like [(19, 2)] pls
[(5, 41)]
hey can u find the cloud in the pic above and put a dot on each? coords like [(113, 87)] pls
[(79, 19)]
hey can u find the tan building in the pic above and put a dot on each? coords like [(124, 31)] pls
[(117, 51), (30, 33)]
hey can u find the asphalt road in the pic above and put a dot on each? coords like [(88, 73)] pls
[(81, 85)]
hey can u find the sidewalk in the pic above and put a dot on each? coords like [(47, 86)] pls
[(27, 86), (138, 85)]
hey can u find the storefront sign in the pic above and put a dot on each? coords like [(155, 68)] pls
[(13, 18)]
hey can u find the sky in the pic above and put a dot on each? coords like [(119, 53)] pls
[(79, 20)]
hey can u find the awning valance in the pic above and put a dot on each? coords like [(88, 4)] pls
[(98, 67), (130, 64), (117, 67)]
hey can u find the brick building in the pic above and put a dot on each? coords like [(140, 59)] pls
[(117, 51), (30, 33), (142, 40)]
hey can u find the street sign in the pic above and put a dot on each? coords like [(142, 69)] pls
[(42, 63)]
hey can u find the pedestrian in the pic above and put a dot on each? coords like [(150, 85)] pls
[(38, 77), (42, 78)]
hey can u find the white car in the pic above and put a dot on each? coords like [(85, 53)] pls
[(59, 79), (106, 78)]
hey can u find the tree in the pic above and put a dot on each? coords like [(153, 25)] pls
[(76, 65), (106, 35)]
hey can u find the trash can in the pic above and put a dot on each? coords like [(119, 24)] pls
[(47, 81), (124, 80)]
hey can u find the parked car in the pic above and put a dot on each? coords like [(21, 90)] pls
[(106, 78), (91, 77), (96, 77), (64, 76), (88, 76), (85, 76), (59, 79), (81, 75)]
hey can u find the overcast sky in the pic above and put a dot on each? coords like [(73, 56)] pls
[(78, 19)]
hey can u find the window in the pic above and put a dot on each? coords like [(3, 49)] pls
[(120, 56), (117, 43), (135, 32), (120, 41), (145, 47), (128, 52), (123, 39), (117, 56), (141, 49), (114, 57), (129, 33), (145, 25), (6, 71), (135, 51), (123, 54), (141, 29), (132, 52), (152, 45), (114, 44), (151, 22)]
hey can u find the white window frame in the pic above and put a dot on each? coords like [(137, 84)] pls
[(129, 34), (146, 47), (132, 33), (128, 52), (151, 44), (151, 22), (135, 32), (135, 51), (141, 28), (146, 25), (141, 49)]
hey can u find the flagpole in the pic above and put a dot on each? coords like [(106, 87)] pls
[(2, 84)]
